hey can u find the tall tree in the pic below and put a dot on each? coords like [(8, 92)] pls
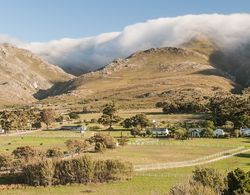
[(109, 116), (47, 116)]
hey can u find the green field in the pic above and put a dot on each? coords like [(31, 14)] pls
[(149, 182), (154, 182)]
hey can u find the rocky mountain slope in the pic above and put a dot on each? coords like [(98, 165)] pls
[(23, 74), (150, 76)]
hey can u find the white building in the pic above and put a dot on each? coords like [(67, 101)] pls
[(2, 131), (219, 133), (195, 132), (74, 128), (160, 131), (245, 132)]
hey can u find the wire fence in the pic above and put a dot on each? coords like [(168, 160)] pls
[(184, 143), (198, 161)]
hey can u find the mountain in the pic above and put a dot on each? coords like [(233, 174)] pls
[(149, 76), (22, 74)]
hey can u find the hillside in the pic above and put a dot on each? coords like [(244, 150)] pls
[(150, 76), (22, 74)]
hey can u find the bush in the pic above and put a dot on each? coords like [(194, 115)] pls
[(74, 171), (54, 153), (73, 115), (77, 146), (191, 188), (39, 174), (106, 140), (123, 141), (94, 128), (5, 161), (134, 132), (25, 152), (108, 170), (238, 182), (209, 177), (79, 170)]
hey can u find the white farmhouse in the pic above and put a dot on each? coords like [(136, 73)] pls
[(245, 132), (195, 132), (219, 133), (160, 131)]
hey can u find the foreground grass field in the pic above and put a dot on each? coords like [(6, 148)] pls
[(154, 182), (150, 182)]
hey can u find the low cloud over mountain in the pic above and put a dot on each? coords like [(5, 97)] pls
[(81, 55)]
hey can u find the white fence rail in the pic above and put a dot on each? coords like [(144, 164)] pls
[(202, 160)]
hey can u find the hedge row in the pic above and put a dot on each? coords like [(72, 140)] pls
[(78, 170)]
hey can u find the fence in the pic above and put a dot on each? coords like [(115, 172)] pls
[(184, 143), (202, 160)]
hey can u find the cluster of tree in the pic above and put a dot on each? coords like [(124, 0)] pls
[(234, 108), (211, 181), (138, 123), (102, 142), (25, 119), (177, 106), (76, 170), (109, 115)]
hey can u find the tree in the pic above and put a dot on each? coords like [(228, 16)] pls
[(109, 116), (73, 115), (180, 133), (234, 108), (47, 116), (238, 182)]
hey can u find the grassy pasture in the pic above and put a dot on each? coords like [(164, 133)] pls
[(154, 183)]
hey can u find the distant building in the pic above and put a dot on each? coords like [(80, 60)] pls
[(245, 132), (219, 133), (2, 131), (160, 131), (74, 128), (195, 132)]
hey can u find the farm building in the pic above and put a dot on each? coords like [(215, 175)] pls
[(74, 128), (245, 131), (195, 132), (219, 133), (160, 131)]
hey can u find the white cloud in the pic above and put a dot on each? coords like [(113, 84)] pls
[(93, 52)]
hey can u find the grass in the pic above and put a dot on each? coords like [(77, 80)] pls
[(139, 185), (155, 182), (147, 154)]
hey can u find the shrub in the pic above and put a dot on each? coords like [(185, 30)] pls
[(5, 161), (123, 141), (100, 147), (94, 127), (108, 170), (209, 177), (77, 146), (24, 152), (54, 153), (238, 182), (73, 115), (78, 170), (39, 174), (60, 119), (106, 140), (191, 188)]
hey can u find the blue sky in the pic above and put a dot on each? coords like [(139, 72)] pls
[(43, 20)]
